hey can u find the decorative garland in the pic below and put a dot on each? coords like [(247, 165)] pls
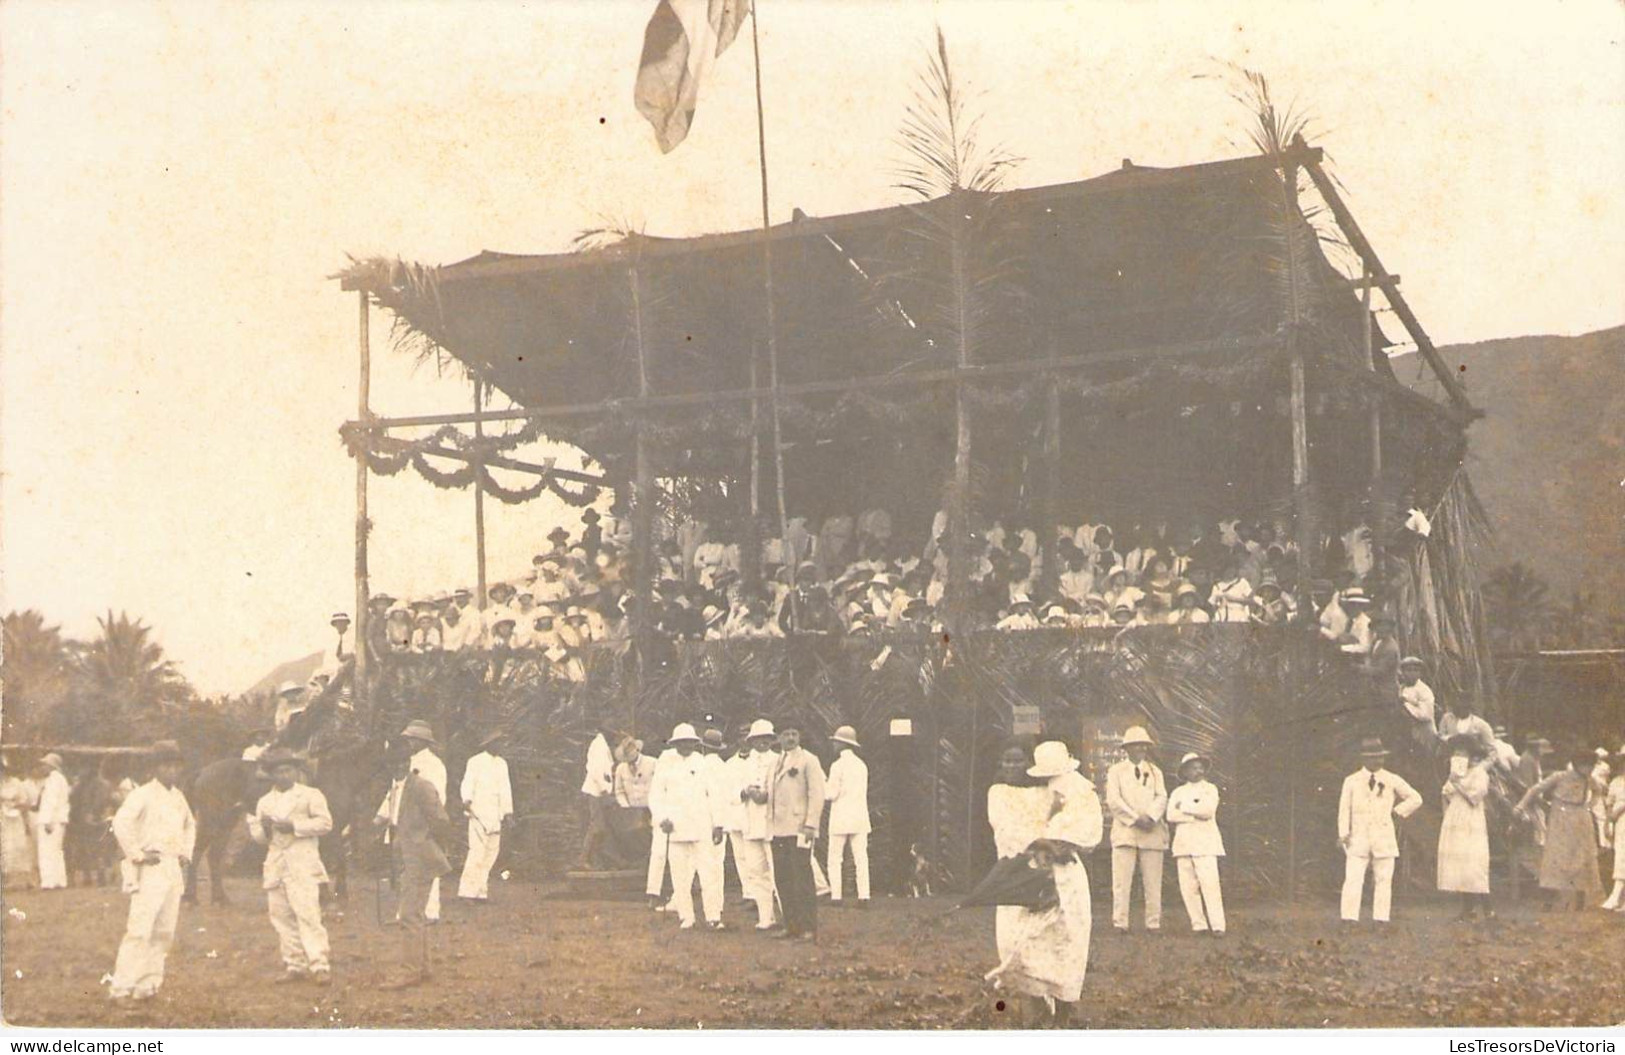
[(390, 455)]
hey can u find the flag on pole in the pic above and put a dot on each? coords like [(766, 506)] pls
[(681, 41)]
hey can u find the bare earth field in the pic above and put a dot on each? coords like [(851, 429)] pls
[(528, 962)]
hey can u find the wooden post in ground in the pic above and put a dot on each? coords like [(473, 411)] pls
[(363, 637), (479, 507), (1371, 360), (1291, 219), (643, 479)]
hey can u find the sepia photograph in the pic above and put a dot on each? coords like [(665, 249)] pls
[(784, 515)]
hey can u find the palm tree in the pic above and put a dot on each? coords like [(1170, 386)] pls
[(956, 257), (35, 671), (1516, 606), (124, 676)]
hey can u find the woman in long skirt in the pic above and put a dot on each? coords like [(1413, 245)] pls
[(1016, 811), (18, 797), (1464, 840), (1049, 953), (1568, 865), (1615, 809)]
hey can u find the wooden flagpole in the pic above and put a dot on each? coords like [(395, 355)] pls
[(363, 637), (772, 317)]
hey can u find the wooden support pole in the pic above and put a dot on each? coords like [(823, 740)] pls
[(363, 595), (1390, 286), (1371, 360), (1291, 219), (643, 480), (1052, 486), (479, 505)]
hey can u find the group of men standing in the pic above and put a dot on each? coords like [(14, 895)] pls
[(764, 801)]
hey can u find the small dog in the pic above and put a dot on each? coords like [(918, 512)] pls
[(919, 877)]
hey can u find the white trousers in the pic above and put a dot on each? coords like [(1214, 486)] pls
[(754, 858), (690, 860), (53, 868), (657, 864), (483, 848), (155, 906), (432, 912), (820, 881), (1199, 887), (1382, 882), (296, 916), (859, 842), (713, 872), (1125, 859)]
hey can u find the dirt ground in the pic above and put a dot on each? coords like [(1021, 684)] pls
[(528, 961)]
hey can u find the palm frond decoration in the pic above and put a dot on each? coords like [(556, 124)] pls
[(412, 292)]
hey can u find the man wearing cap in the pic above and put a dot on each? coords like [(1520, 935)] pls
[(418, 831), (155, 834), (1192, 810), (418, 741), (795, 811), (1372, 797), (681, 810), (1137, 799), (51, 822), (487, 798), (847, 791), (289, 820)]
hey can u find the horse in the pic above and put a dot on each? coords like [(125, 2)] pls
[(221, 794)]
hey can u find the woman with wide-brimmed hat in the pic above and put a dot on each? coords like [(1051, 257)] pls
[(1464, 842), (1049, 955)]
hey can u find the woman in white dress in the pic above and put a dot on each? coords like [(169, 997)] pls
[(1464, 842), (1049, 954), (18, 797), (1614, 810), (1016, 811)]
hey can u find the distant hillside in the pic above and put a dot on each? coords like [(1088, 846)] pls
[(1549, 458), (296, 670)]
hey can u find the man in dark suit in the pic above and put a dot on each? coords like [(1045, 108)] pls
[(419, 831)]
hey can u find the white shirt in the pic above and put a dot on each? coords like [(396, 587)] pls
[(1078, 821), (632, 781), (427, 765), (295, 854), (1418, 702), (727, 778), (53, 799), (486, 792), (847, 792), (758, 771), (155, 818), (600, 779), (681, 794), (1017, 816), (1366, 810), (1230, 600), (1192, 810)]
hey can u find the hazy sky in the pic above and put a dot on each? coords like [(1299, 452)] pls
[(178, 179)]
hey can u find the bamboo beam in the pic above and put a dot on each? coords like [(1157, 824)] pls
[(1390, 286), (363, 595), (981, 371)]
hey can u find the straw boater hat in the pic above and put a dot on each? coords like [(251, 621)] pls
[(683, 733), (338, 616), (759, 728), (711, 615), (1051, 759), (289, 686), (53, 760), (846, 735), (1355, 595), (1020, 600), (418, 729), (1412, 661), (1192, 756), (1137, 735), (1371, 747), (462, 591), (1055, 613), (713, 740)]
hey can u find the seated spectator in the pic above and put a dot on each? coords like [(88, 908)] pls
[(1120, 592), (458, 632), (1148, 611), (575, 633), (1159, 580), (1096, 613), (713, 617), (1122, 614), (502, 632), (398, 628), (549, 586), (426, 634), (1270, 606), (1020, 615), (756, 624), (1077, 582), (1356, 640), (1057, 617), (1231, 596), (1188, 610)]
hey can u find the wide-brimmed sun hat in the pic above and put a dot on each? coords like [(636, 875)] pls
[(846, 735), (1051, 759), (1191, 756), (418, 729), (1371, 747), (1136, 734), (760, 727), (683, 732)]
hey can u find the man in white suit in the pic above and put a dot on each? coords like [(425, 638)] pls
[(1137, 798), (756, 777), (487, 796), (155, 834), (847, 791), (288, 821), (51, 822), (680, 807), (728, 812), (1372, 797)]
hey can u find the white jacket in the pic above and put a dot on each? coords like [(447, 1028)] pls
[(297, 854), (600, 778), (847, 792), (1077, 819), (759, 768), (727, 779), (155, 818), (53, 799), (1130, 796), (1192, 810), (681, 794), (486, 791), (1366, 811)]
